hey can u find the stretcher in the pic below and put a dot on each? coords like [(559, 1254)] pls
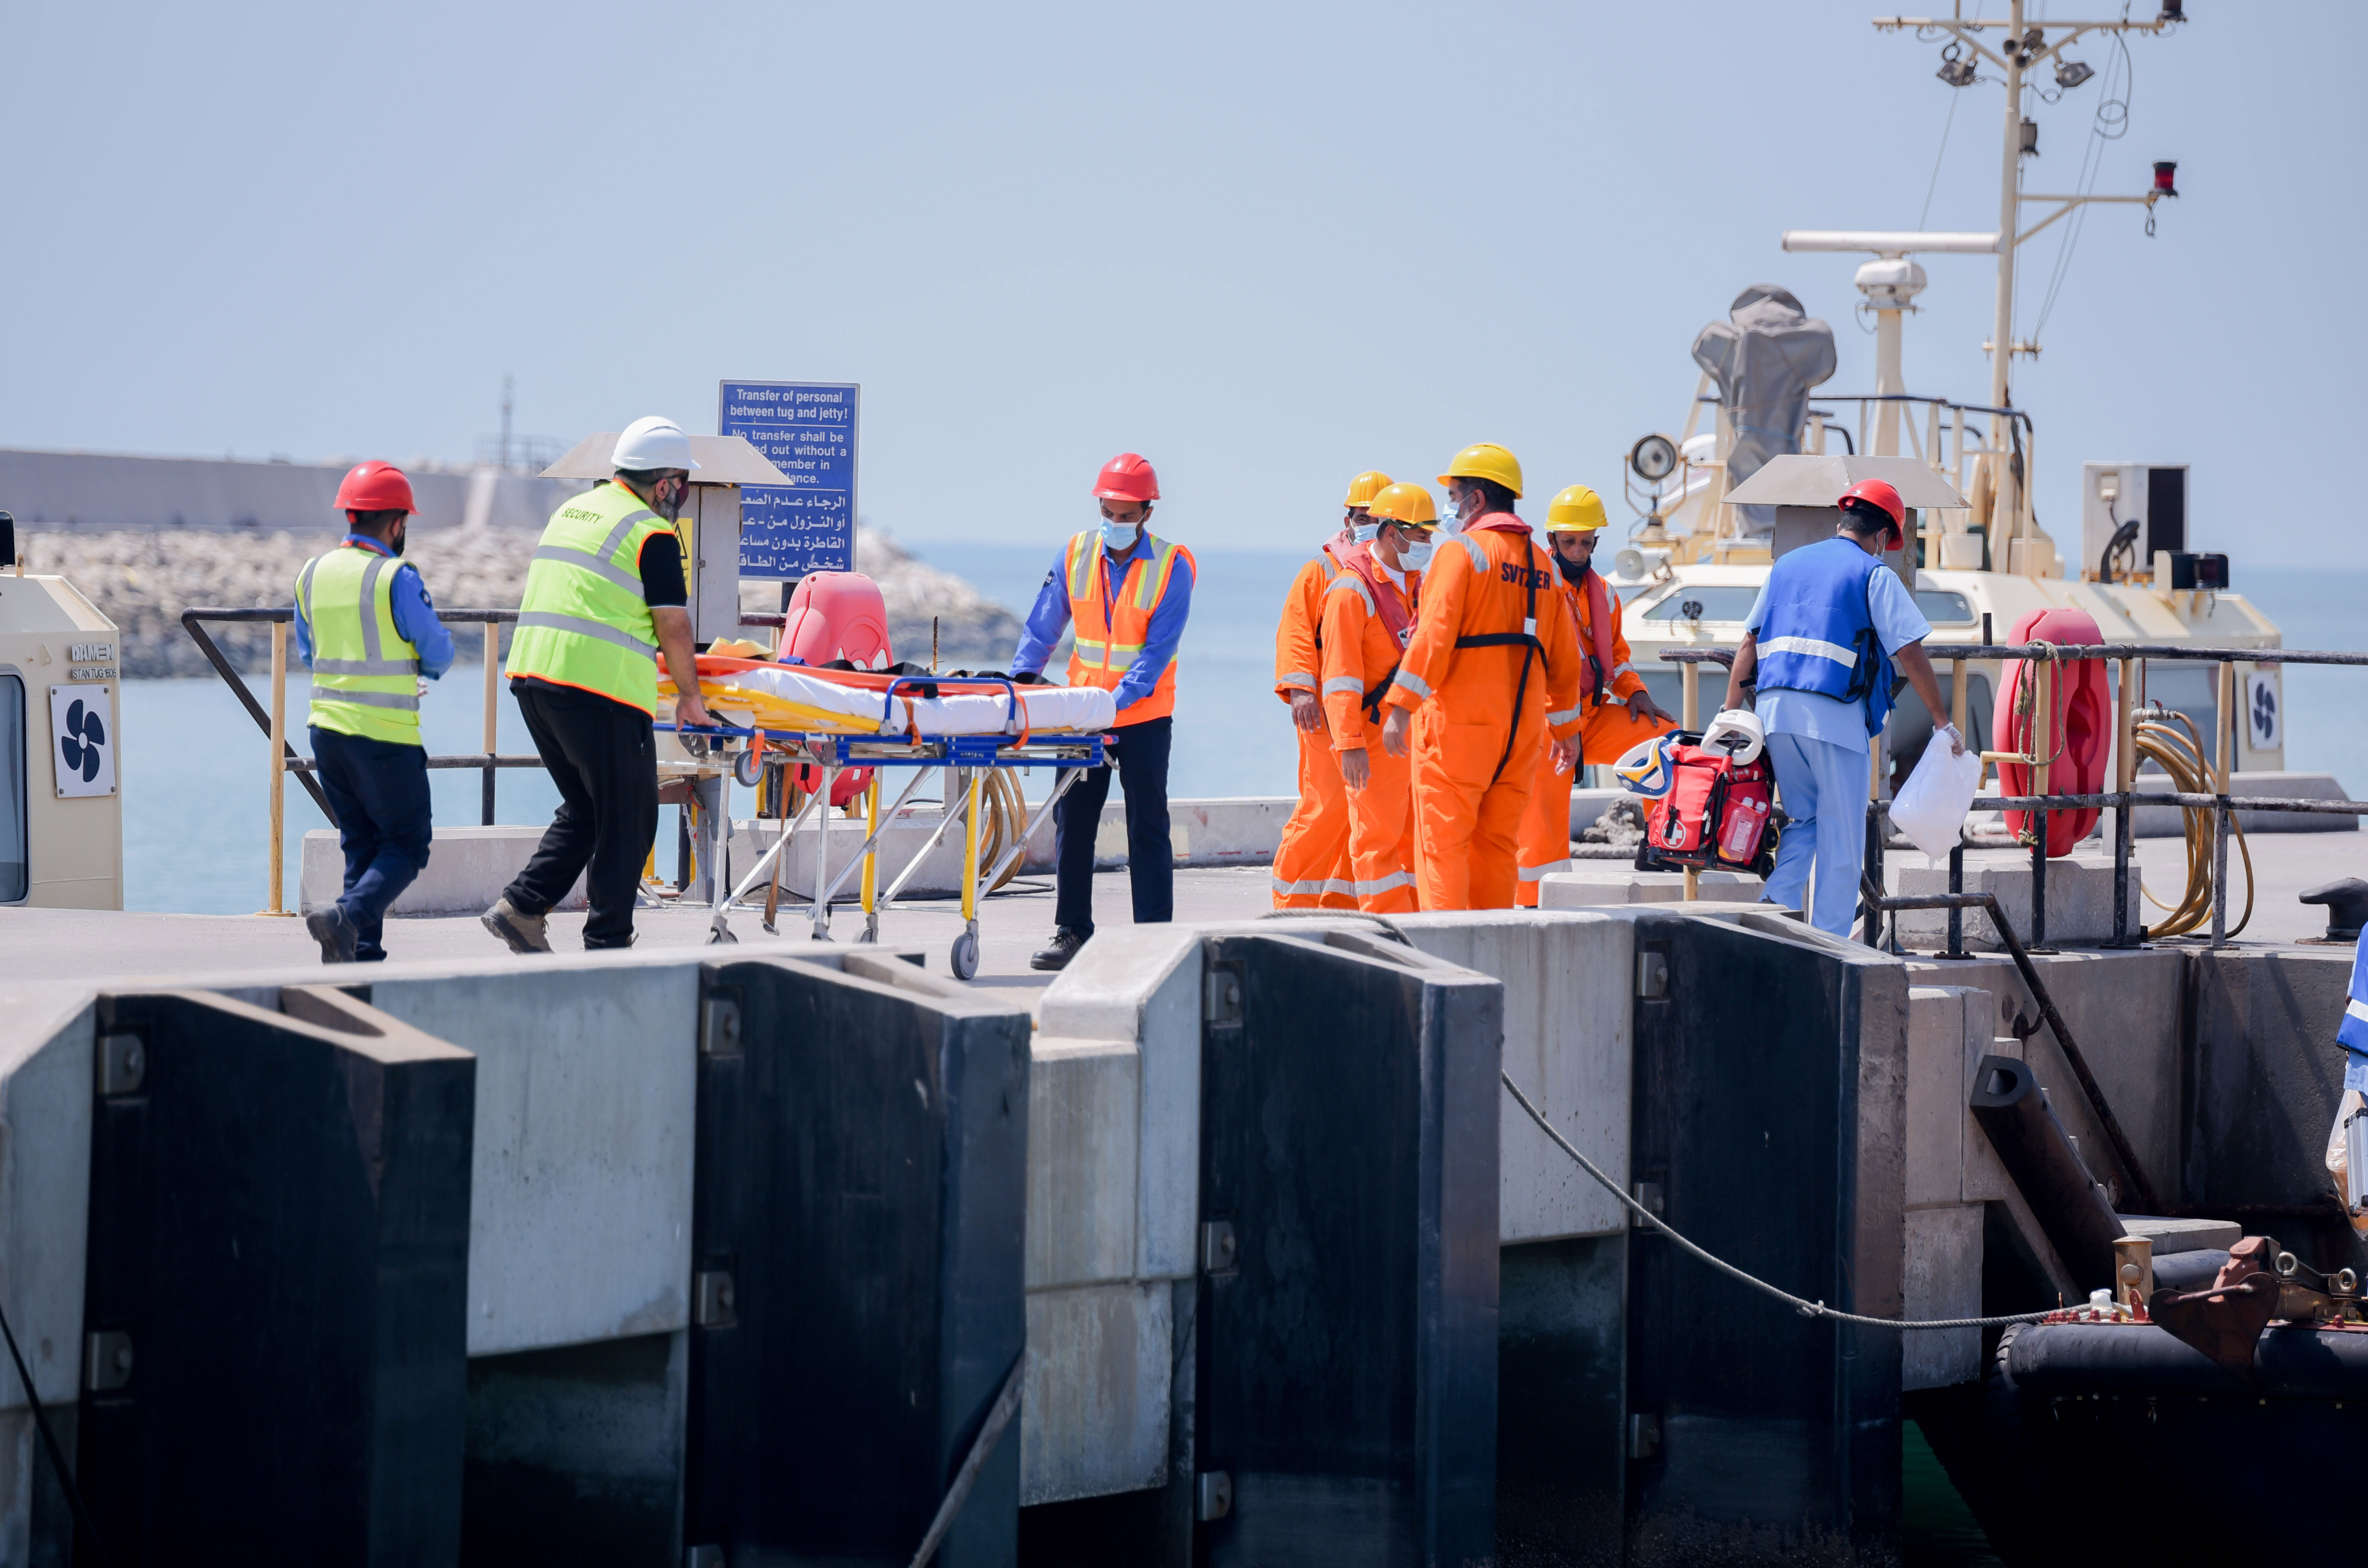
[(963, 727)]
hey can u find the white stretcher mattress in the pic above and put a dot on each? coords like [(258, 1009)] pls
[(833, 705)]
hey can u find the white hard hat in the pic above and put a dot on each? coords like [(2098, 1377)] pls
[(653, 442), (1737, 732)]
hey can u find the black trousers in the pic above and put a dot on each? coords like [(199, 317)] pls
[(603, 756), (379, 791), (1140, 752)]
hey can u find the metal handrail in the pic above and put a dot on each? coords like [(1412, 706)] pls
[(2121, 801), (274, 724)]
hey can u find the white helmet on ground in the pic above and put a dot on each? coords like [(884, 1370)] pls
[(1736, 731), (653, 442), (1644, 768)]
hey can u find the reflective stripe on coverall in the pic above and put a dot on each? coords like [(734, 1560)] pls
[(1607, 730), (1359, 649), (1473, 765), (1311, 864)]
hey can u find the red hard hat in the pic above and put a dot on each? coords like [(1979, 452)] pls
[(1127, 477), (375, 486), (1876, 493)]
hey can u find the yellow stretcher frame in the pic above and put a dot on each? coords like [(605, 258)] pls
[(964, 758)]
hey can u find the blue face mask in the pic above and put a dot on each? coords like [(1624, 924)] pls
[(1119, 538)]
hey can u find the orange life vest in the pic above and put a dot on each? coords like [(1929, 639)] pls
[(1111, 629)]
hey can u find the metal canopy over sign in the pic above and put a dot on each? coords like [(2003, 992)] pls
[(808, 429)]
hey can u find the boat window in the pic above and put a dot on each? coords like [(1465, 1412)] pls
[(2190, 688), (1942, 608), (1719, 601), (14, 871)]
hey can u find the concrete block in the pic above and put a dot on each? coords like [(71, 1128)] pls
[(467, 869), (1143, 983), (1219, 831), (2182, 1235), (2079, 897), (46, 1038), (1581, 890), (1095, 1402), (2124, 1010), (579, 1225), (1936, 1092), (1084, 1122), (2169, 822), (2268, 1073), (1569, 994), (1943, 1280)]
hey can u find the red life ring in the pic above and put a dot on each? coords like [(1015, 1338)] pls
[(2083, 722), (838, 615)]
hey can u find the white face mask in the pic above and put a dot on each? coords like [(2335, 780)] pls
[(1367, 532), (1119, 538), (1417, 556)]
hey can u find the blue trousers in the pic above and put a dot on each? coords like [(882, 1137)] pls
[(1822, 787), (378, 789), (1140, 754)]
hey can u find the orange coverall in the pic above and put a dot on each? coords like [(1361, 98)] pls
[(1359, 652), (1474, 765), (1607, 730), (1311, 864)]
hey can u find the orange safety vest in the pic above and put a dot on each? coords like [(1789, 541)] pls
[(1111, 629)]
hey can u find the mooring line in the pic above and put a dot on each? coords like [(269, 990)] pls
[(1806, 1309)]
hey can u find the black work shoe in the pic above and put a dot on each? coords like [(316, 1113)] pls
[(1066, 943), (334, 929)]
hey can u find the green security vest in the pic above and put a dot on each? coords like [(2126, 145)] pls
[(582, 621), (365, 675)]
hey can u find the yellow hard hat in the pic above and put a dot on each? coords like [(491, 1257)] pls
[(1576, 510), (1365, 486), (1408, 504), (1486, 460)]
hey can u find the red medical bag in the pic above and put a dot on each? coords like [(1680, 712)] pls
[(1716, 814)]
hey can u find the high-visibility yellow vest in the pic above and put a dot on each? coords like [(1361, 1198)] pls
[(1113, 627), (365, 675), (582, 621)]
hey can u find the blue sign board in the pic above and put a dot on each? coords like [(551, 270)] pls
[(808, 429)]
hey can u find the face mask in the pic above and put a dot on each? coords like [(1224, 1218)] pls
[(402, 536), (667, 499), (1119, 538), (1417, 556), (1367, 532)]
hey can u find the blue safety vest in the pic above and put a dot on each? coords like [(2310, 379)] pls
[(2352, 1032), (1818, 634)]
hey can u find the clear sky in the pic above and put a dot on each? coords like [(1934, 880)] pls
[(1265, 245)]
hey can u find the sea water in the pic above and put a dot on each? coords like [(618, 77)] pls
[(195, 767)]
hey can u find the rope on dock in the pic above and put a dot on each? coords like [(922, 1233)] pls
[(1806, 1309)]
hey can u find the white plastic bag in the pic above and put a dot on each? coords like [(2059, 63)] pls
[(1931, 807)]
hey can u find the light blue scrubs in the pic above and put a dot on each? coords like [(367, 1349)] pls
[(1818, 746)]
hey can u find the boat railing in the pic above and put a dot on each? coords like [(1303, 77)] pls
[(2043, 745), (1944, 445), (271, 718)]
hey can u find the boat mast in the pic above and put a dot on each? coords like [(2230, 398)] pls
[(2009, 195)]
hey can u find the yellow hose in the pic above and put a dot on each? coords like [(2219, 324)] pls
[(2181, 757)]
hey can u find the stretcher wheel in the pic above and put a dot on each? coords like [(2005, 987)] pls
[(964, 957), (749, 766)]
